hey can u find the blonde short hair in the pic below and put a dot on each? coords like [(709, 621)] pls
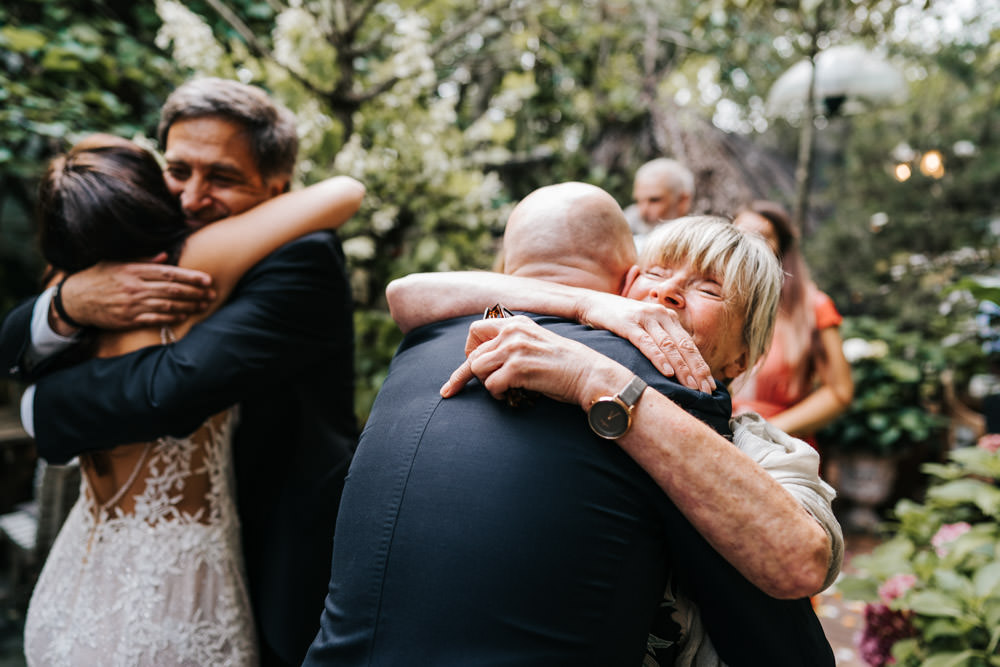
[(743, 263)]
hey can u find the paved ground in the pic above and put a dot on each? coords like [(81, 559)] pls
[(842, 618)]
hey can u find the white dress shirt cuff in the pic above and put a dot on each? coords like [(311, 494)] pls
[(44, 341)]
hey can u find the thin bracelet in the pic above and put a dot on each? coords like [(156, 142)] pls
[(60, 309)]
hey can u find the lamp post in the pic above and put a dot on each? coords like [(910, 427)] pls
[(840, 80)]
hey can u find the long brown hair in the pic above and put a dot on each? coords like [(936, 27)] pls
[(796, 311)]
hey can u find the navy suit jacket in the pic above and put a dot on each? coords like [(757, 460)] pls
[(282, 347), (472, 533)]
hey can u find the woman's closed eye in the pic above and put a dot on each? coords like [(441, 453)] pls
[(709, 287), (656, 273)]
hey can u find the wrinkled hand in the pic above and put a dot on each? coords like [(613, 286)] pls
[(656, 332), (118, 295), (517, 352)]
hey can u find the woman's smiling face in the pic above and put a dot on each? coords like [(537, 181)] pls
[(702, 308)]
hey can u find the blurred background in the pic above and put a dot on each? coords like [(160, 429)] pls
[(874, 121)]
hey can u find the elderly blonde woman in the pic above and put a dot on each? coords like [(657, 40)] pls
[(721, 287)]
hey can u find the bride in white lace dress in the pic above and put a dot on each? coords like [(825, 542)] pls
[(147, 569), (152, 574)]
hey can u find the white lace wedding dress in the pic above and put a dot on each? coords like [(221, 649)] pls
[(153, 575)]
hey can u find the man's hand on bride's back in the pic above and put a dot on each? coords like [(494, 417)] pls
[(655, 331), (120, 295)]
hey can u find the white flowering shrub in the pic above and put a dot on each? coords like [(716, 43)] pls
[(191, 39)]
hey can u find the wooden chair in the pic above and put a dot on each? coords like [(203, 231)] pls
[(27, 532)]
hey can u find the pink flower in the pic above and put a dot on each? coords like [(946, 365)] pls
[(990, 442), (949, 532), (896, 586)]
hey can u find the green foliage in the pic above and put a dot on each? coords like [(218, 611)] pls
[(65, 71), (939, 572), (896, 378), (376, 338), (909, 254), (899, 250)]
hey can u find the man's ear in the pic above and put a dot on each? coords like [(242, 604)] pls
[(630, 277), (682, 205)]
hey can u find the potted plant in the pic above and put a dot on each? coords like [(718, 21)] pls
[(892, 425), (933, 588)]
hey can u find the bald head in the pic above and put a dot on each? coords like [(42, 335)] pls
[(570, 233), (663, 190)]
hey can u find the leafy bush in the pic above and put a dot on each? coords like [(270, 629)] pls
[(933, 589), (896, 379), (66, 69)]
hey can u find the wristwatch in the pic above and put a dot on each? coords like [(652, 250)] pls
[(611, 416)]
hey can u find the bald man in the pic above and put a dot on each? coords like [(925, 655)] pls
[(580, 242), (663, 189), (472, 533)]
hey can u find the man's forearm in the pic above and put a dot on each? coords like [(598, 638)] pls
[(28, 341), (15, 334), (422, 298)]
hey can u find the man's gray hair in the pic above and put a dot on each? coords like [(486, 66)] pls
[(270, 127), (743, 263), (671, 173)]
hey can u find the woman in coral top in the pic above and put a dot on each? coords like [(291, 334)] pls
[(804, 382)]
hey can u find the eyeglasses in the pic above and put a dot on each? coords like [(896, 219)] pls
[(516, 397)]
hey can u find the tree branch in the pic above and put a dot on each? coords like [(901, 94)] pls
[(353, 24), (379, 37), (258, 47), (461, 30)]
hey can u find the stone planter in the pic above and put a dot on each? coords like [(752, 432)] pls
[(867, 481)]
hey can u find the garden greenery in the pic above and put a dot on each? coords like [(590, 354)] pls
[(896, 379), (933, 588)]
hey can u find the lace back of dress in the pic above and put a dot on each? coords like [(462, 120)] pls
[(170, 479), (151, 575)]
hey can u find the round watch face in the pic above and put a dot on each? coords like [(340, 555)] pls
[(608, 418)]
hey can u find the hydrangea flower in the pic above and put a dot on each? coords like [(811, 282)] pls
[(949, 532), (895, 586), (990, 442), (883, 627)]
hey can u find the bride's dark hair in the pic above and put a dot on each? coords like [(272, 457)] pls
[(105, 199)]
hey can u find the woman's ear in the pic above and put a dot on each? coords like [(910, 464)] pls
[(278, 185), (630, 277), (735, 367)]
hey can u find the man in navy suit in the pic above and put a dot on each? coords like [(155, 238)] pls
[(282, 347), (474, 533)]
